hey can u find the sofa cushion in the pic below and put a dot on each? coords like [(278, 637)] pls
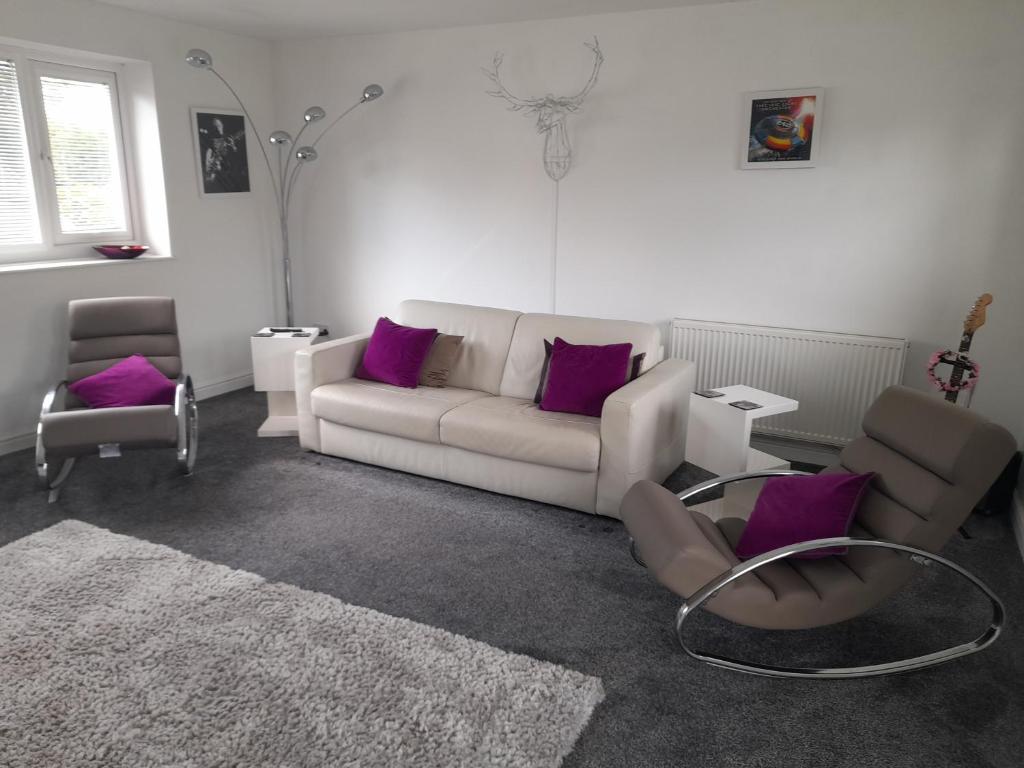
[(487, 334), (515, 428), (526, 353), (370, 405)]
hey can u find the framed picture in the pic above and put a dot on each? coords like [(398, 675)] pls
[(782, 129), (222, 158)]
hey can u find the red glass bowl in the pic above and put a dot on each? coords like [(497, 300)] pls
[(121, 251)]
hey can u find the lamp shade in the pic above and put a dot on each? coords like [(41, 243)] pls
[(306, 154), (372, 91), (282, 138), (199, 58), (313, 114)]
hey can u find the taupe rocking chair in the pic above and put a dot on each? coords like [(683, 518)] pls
[(934, 462), (104, 332)]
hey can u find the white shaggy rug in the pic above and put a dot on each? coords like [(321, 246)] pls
[(118, 652)]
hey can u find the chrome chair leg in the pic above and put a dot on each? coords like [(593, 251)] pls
[(919, 556), (635, 554), (187, 413), (53, 399), (55, 485)]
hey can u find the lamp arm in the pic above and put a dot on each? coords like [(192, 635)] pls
[(288, 162), (259, 139), (280, 168), (290, 186), (336, 121)]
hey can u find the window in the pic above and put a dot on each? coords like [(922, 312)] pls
[(19, 219), (63, 178)]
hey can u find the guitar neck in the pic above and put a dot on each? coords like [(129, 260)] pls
[(958, 371)]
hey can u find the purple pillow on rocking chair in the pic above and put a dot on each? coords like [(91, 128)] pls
[(133, 381), (795, 508)]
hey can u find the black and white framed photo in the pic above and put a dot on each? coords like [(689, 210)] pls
[(782, 129), (222, 159)]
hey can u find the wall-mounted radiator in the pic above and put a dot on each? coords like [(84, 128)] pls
[(835, 376)]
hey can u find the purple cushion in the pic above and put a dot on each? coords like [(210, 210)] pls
[(396, 353), (133, 381), (635, 364), (581, 376), (801, 508)]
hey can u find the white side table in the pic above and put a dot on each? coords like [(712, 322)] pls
[(273, 372), (718, 434), (718, 440)]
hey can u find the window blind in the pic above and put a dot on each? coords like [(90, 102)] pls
[(84, 155), (19, 218)]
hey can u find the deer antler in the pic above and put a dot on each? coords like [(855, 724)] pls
[(577, 101), (503, 92)]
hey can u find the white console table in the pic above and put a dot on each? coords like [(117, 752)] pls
[(273, 372), (718, 440)]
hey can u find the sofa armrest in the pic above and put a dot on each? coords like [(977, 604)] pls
[(318, 365), (643, 431)]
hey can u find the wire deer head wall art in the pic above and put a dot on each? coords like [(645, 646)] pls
[(552, 112)]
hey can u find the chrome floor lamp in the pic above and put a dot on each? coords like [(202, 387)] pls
[(283, 180)]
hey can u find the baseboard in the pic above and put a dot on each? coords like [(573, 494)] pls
[(206, 391), (203, 392), (17, 443), (1018, 520), (795, 450)]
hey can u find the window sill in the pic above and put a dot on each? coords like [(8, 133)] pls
[(86, 261)]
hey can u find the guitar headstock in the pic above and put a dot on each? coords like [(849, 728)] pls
[(976, 317)]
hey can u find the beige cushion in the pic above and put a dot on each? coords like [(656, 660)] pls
[(371, 405), (526, 353), (437, 368), (487, 334), (515, 428)]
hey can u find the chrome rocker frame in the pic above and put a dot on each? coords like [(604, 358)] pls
[(186, 412), (42, 466), (920, 556)]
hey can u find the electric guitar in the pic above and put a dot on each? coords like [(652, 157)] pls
[(974, 320)]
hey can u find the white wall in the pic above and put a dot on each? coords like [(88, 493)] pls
[(221, 273), (918, 206)]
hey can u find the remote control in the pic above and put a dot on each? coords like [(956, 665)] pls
[(708, 393), (744, 405)]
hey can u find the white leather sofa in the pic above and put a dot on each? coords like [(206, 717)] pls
[(484, 429)]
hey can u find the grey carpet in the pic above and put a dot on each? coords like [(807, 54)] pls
[(129, 654), (560, 586)]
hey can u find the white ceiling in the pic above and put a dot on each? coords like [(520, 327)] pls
[(274, 19)]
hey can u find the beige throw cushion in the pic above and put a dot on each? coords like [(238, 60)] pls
[(438, 365)]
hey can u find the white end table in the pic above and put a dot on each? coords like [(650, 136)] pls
[(718, 440), (273, 372)]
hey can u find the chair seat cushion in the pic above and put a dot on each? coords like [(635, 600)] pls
[(515, 428), (411, 413), (78, 432), (801, 594), (685, 550)]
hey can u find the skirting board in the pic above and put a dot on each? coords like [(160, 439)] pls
[(203, 392)]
